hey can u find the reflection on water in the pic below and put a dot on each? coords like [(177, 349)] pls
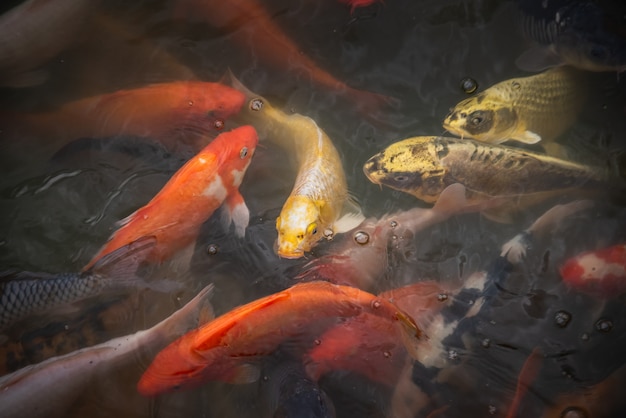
[(60, 200)]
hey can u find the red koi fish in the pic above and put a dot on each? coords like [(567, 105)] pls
[(366, 344), (206, 182), (601, 272), (226, 348), (257, 31), (159, 111)]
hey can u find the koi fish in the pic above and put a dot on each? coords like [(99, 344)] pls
[(320, 194), (160, 111), (585, 34), (425, 166), (365, 344), (207, 181), (36, 31), (226, 348), (256, 31), (59, 381), (24, 294), (601, 272), (287, 391), (361, 256), (354, 4), (525, 109)]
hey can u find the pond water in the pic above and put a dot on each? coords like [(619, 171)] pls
[(60, 200)]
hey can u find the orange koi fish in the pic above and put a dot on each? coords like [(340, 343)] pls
[(159, 111), (366, 344), (190, 197), (601, 272), (226, 348), (257, 31)]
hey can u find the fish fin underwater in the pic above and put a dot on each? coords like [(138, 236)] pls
[(350, 217), (527, 137), (538, 58), (234, 211)]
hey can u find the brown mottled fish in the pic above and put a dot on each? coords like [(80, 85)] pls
[(425, 165), (525, 109)]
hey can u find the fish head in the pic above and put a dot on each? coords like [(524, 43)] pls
[(483, 118), (412, 166), (222, 103), (235, 149), (299, 226)]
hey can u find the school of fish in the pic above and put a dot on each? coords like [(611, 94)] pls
[(251, 267)]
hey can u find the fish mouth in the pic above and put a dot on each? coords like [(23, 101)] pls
[(453, 130), (292, 255), (371, 169)]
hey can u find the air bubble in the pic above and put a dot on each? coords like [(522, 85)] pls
[(574, 412), (562, 318), (393, 224), (387, 354), (442, 297), (469, 85), (453, 355), (516, 85), (376, 304), (486, 343), (318, 342), (212, 249), (218, 124), (361, 237), (604, 325), (256, 104)]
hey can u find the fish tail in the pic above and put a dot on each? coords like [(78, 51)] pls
[(121, 266)]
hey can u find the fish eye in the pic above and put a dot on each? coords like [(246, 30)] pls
[(401, 178), (311, 229), (256, 104), (243, 153), (476, 120)]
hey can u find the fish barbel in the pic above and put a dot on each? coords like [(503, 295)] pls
[(60, 380), (525, 109), (320, 193), (424, 166), (226, 348), (24, 294)]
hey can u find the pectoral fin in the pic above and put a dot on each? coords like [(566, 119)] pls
[(235, 210), (351, 216), (527, 137)]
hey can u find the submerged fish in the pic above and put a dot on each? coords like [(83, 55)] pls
[(320, 193), (361, 256), (25, 294), (163, 112), (525, 109), (59, 381), (354, 4), (287, 392), (207, 181), (590, 35), (34, 32), (227, 348), (249, 23), (424, 166), (601, 272)]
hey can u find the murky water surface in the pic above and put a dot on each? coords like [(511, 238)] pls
[(59, 202)]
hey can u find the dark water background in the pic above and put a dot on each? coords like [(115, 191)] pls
[(55, 213)]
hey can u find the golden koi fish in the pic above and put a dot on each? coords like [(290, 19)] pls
[(525, 109), (320, 193)]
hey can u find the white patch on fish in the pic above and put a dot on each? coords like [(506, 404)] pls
[(216, 189)]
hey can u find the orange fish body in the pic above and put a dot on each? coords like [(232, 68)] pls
[(257, 31), (601, 272), (224, 349), (208, 180), (366, 344), (159, 111)]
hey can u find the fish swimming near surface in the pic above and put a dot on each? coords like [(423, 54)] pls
[(207, 181), (35, 31), (227, 348), (26, 294), (525, 109), (60, 381), (319, 197), (165, 112), (424, 166), (601, 272), (590, 35), (361, 256)]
